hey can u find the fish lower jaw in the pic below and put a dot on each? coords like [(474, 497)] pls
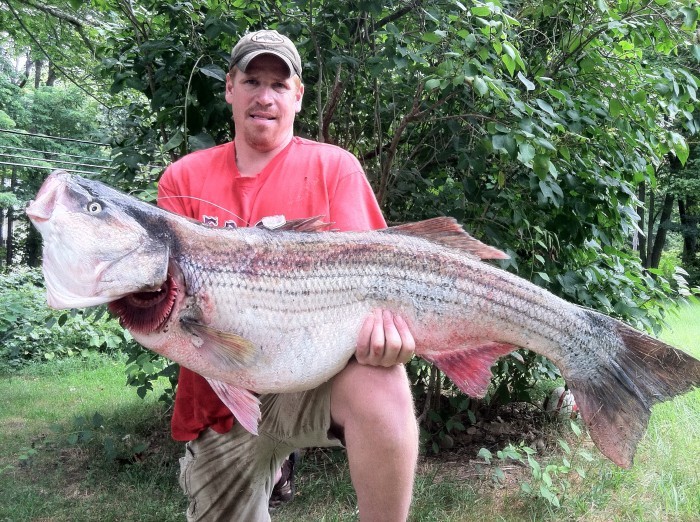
[(147, 311)]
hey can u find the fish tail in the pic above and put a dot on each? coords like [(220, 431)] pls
[(615, 400)]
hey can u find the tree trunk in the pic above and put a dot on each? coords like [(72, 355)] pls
[(38, 67), (50, 80), (660, 239), (689, 226), (9, 252), (641, 240)]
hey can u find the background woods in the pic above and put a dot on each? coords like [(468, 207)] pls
[(561, 131)]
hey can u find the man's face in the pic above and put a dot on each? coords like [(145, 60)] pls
[(264, 100)]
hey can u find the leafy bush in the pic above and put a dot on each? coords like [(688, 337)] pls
[(31, 332)]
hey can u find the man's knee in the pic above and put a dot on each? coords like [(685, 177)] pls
[(377, 396)]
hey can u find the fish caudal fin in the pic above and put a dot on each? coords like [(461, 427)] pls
[(470, 367), (244, 405), (616, 403)]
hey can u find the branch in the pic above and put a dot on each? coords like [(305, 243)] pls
[(61, 15), (45, 53)]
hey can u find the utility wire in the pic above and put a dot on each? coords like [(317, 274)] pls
[(52, 160), (48, 167), (37, 135), (22, 149)]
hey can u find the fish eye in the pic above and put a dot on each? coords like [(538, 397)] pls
[(94, 207)]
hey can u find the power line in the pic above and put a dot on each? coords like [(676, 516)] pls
[(10, 164), (64, 162), (36, 135), (23, 149)]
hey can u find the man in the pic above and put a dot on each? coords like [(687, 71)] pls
[(227, 473)]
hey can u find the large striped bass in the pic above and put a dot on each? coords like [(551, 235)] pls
[(260, 311)]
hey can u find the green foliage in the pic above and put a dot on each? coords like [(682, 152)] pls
[(116, 447), (30, 332), (145, 367), (550, 482)]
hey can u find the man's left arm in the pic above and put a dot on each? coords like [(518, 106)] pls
[(385, 339)]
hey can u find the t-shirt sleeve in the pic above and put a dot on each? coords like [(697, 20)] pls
[(169, 194), (354, 206)]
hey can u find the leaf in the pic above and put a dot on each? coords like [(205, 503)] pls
[(433, 83), (509, 63), (526, 153), (616, 107), (481, 11), (431, 37), (527, 83), (541, 166), (481, 86), (485, 454), (680, 147), (545, 107), (213, 71), (690, 16), (201, 141)]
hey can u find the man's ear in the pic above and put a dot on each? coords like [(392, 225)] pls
[(299, 97), (229, 87)]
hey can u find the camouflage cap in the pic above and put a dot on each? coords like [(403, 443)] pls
[(266, 42)]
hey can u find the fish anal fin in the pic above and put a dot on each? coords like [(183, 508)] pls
[(470, 368), (229, 348), (448, 232), (243, 404)]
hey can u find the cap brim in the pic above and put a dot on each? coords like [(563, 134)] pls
[(244, 62)]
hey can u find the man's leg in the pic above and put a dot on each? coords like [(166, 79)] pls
[(373, 408), (230, 476)]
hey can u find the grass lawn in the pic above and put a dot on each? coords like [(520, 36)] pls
[(61, 462)]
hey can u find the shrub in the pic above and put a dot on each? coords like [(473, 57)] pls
[(31, 332)]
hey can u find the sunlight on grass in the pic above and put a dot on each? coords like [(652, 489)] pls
[(45, 477)]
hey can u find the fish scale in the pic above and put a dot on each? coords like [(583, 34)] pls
[(259, 311)]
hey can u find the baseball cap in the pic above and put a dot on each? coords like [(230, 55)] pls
[(266, 42)]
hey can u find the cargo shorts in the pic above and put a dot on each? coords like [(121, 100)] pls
[(230, 476)]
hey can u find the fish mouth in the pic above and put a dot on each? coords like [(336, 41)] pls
[(147, 311)]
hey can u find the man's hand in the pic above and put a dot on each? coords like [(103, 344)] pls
[(384, 340)]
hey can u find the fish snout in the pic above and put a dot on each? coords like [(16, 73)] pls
[(41, 208)]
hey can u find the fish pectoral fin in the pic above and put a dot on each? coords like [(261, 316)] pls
[(230, 348), (470, 367), (448, 232), (243, 404)]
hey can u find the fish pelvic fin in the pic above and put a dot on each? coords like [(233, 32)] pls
[(616, 403), (448, 232), (470, 368), (243, 404), (228, 348)]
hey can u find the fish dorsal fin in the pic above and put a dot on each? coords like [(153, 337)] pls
[(447, 232), (310, 224)]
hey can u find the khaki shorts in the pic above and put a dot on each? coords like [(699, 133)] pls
[(230, 476)]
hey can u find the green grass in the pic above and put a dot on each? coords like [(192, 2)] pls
[(43, 477)]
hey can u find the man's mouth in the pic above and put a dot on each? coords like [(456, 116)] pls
[(258, 116)]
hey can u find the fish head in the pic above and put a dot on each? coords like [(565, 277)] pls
[(97, 243)]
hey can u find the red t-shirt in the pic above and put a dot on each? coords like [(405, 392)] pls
[(305, 179)]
